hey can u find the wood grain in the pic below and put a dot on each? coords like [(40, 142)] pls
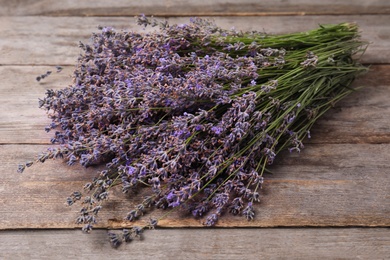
[(360, 118), (192, 8), (54, 40), (325, 185)]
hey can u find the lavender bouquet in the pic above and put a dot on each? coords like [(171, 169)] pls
[(194, 113)]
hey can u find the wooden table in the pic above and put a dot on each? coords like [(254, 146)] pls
[(331, 201)]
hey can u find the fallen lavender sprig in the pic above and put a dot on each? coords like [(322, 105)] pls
[(194, 112), (42, 76)]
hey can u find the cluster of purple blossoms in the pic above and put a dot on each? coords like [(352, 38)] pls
[(193, 112)]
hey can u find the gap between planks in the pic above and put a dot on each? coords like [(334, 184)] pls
[(215, 14)]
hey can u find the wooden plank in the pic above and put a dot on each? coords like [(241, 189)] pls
[(54, 40), (192, 8), (326, 185), (275, 243), (360, 118)]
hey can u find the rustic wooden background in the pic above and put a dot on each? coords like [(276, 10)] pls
[(329, 202)]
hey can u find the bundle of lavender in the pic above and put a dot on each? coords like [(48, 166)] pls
[(194, 113)]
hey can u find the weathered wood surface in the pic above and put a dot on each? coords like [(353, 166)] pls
[(213, 244), (340, 180), (363, 117), (54, 40), (191, 8), (325, 185)]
